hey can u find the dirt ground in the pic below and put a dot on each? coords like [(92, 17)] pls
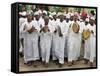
[(52, 65)]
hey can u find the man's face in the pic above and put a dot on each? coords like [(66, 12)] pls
[(61, 18), (75, 18), (64, 17), (54, 17), (67, 19), (83, 18), (29, 18), (43, 15), (37, 17), (71, 18), (86, 22), (46, 21), (91, 21)]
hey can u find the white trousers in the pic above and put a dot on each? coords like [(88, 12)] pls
[(45, 45), (58, 48), (73, 46), (31, 52)]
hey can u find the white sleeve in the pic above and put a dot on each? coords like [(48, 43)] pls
[(82, 27), (22, 28), (94, 30), (65, 29)]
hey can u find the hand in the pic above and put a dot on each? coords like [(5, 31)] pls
[(55, 31), (92, 32), (60, 34)]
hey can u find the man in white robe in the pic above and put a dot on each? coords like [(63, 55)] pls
[(90, 44), (54, 27), (22, 19), (45, 42), (42, 15), (31, 52), (80, 42), (73, 43), (36, 21), (59, 40)]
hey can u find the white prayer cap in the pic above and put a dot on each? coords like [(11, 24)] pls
[(92, 18), (54, 13), (36, 13), (67, 16), (64, 14), (71, 14), (50, 16), (50, 13), (75, 13), (29, 14), (23, 13), (87, 19), (81, 20), (59, 13), (45, 12), (39, 11)]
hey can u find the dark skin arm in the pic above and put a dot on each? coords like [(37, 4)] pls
[(92, 32), (55, 31), (41, 30)]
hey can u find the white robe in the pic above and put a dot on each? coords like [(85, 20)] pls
[(59, 43), (41, 21), (37, 25), (21, 21), (21, 35), (45, 44), (73, 45), (79, 51), (31, 52), (58, 48), (90, 46), (52, 26), (66, 39)]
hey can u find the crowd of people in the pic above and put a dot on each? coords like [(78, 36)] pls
[(44, 37)]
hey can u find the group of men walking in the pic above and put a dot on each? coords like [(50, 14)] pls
[(44, 37)]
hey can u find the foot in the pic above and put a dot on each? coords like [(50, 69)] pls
[(29, 63), (73, 62), (21, 54), (69, 63), (79, 58), (91, 64), (43, 62), (60, 65), (55, 61), (35, 64), (85, 61), (46, 65)]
